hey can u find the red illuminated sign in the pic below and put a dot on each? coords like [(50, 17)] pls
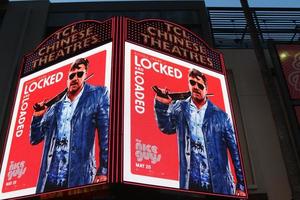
[(42, 145), (289, 56), (185, 139)]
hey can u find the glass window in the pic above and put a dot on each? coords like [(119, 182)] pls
[(188, 14)]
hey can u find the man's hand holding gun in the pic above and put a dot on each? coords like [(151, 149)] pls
[(40, 109)]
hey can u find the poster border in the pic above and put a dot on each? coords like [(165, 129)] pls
[(140, 179)]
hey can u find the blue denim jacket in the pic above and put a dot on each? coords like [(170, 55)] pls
[(91, 113), (218, 135)]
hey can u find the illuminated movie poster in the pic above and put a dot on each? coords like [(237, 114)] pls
[(150, 156), (22, 159)]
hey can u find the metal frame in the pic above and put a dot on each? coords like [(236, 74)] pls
[(230, 29), (190, 14)]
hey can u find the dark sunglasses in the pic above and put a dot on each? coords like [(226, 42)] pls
[(200, 86), (79, 75)]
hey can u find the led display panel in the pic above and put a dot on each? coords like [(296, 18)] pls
[(58, 133), (179, 129)]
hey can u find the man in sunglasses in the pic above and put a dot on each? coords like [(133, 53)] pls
[(205, 133), (68, 128)]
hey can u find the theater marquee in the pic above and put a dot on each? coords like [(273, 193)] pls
[(131, 63)]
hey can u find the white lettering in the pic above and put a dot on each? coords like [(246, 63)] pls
[(44, 82), (22, 116), (139, 90), (146, 152), (158, 67)]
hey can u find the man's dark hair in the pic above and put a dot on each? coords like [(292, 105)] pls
[(197, 74), (79, 61)]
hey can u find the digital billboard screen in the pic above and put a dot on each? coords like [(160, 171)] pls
[(58, 134), (178, 126)]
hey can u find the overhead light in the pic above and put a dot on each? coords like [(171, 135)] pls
[(283, 55)]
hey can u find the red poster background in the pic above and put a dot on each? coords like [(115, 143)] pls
[(21, 149), (144, 127)]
